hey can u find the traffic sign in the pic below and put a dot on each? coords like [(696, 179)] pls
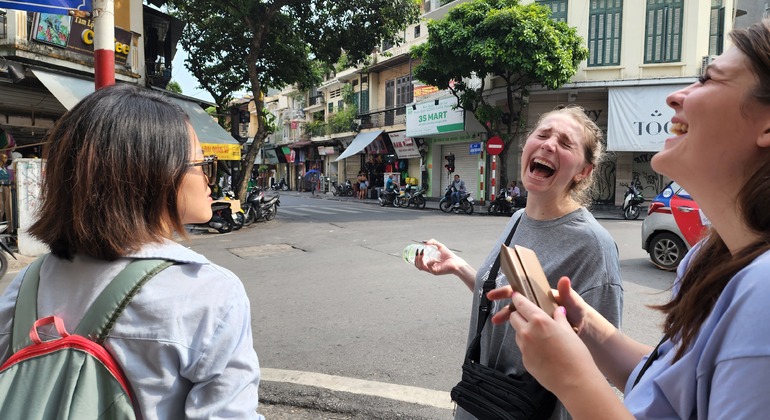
[(495, 145)]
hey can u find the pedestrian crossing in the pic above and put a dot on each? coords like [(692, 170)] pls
[(327, 210)]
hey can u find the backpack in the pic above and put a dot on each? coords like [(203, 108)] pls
[(74, 376)]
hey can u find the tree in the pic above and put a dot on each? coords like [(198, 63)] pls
[(273, 43), (518, 43), (173, 86)]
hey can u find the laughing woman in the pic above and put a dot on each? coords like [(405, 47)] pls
[(713, 360), (557, 163)]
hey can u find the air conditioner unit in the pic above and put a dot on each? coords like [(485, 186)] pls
[(707, 59)]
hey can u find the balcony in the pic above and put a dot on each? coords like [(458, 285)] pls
[(383, 117)]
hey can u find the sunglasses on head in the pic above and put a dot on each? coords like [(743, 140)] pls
[(208, 164)]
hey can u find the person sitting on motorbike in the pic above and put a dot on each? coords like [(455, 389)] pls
[(513, 190), (389, 184), (458, 189)]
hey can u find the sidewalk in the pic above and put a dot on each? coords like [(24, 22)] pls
[(600, 211)]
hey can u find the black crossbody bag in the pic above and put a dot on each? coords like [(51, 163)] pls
[(487, 393)]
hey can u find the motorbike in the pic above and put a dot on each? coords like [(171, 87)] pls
[(411, 195), (258, 207), (344, 190), (632, 201), (505, 204), (222, 218), (466, 202), (4, 237), (280, 185), (388, 198)]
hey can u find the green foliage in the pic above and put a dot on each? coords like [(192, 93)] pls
[(173, 86), (519, 43), (273, 43), (342, 121), (315, 128)]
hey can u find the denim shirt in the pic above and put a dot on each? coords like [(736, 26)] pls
[(184, 342)]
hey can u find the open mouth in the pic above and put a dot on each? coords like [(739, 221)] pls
[(541, 168), (678, 129)]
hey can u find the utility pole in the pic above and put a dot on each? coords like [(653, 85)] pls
[(104, 43)]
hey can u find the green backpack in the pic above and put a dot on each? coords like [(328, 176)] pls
[(71, 377)]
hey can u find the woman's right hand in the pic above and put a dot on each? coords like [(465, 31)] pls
[(448, 262)]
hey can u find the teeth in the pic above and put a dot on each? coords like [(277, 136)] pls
[(544, 163), (679, 128)]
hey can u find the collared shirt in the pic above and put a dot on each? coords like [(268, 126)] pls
[(184, 342)]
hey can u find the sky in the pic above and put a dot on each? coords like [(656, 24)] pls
[(187, 81)]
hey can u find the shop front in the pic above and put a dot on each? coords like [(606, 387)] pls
[(450, 135)]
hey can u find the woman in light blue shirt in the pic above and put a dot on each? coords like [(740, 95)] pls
[(124, 173)]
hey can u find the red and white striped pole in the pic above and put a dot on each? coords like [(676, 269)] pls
[(104, 43), (492, 181)]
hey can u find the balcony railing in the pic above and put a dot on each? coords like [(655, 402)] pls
[(316, 100), (383, 117)]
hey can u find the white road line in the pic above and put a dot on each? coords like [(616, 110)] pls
[(283, 211), (314, 210), (410, 394)]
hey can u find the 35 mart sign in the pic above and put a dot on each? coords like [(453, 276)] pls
[(434, 117)]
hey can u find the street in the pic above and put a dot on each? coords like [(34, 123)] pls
[(343, 325)]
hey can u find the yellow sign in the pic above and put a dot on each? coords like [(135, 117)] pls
[(223, 151)]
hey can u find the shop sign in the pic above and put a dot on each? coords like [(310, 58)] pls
[(422, 90), (222, 151), (639, 119), (76, 34), (47, 6), (326, 150), (405, 147), (434, 117)]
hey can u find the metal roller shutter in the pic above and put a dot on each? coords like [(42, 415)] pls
[(466, 165)]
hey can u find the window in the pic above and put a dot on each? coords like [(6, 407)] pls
[(331, 107), (558, 9), (716, 28), (663, 33), (417, 30), (387, 44), (604, 29), (404, 90)]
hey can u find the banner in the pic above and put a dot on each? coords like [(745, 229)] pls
[(61, 7), (76, 34), (405, 147), (638, 118)]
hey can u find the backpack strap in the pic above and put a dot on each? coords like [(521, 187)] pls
[(25, 312), (100, 318)]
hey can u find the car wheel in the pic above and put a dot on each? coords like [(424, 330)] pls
[(666, 250)]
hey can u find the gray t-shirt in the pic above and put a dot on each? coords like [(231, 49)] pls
[(574, 245)]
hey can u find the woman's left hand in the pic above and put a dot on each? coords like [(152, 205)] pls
[(550, 349)]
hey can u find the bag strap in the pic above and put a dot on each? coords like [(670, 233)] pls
[(100, 318), (474, 350), (25, 312)]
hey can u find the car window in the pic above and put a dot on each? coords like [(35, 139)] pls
[(679, 190)]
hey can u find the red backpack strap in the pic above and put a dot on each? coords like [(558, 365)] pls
[(25, 312)]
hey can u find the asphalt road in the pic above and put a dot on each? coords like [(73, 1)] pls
[(345, 329)]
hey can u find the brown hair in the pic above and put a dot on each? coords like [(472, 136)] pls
[(114, 162), (713, 266), (592, 148)]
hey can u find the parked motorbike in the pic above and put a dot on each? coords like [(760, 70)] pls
[(466, 202), (388, 198), (221, 218), (344, 190), (258, 207), (4, 237), (280, 185), (411, 196), (504, 204), (632, 201)]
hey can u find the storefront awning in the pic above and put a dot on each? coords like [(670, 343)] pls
[(359, 143), (214, 139)]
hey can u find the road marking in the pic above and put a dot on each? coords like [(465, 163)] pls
[(410, 394), (313, 210)]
